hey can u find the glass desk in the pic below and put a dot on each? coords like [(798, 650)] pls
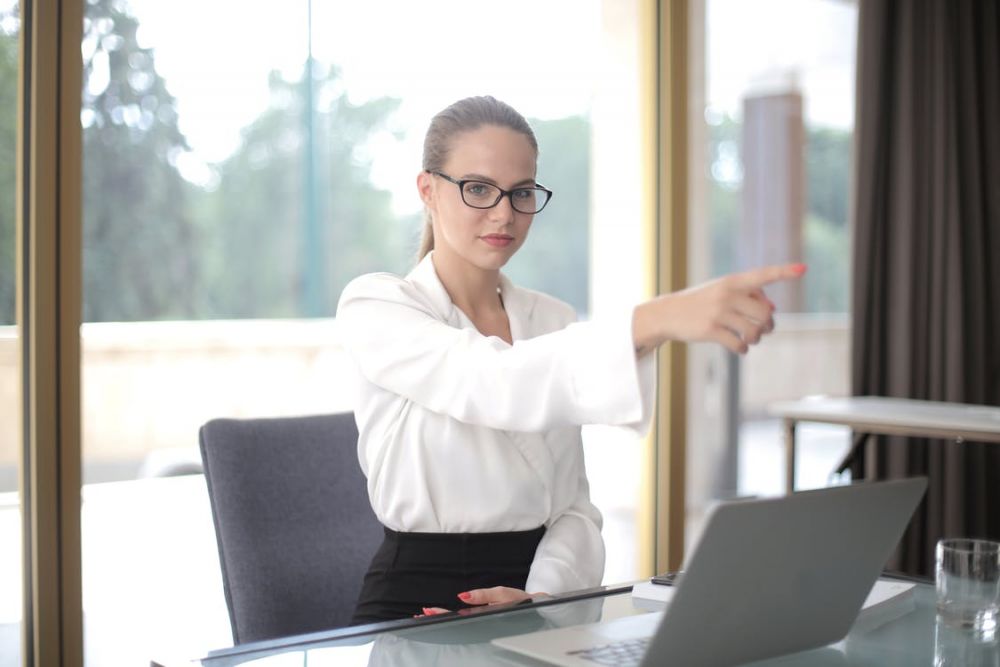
[(903, 632)]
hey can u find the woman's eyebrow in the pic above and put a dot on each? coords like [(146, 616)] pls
[(487, 179)]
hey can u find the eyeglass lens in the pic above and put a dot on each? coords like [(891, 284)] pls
[(484, 195)]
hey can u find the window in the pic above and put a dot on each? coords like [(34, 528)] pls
[(770, 168), (10, 364), (232, 188)]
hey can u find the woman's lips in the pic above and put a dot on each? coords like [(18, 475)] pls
[(498, 240)]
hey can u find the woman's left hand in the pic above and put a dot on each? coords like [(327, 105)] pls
[(495, 595), (486, 596)]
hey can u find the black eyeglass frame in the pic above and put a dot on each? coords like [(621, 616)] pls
[(503, 193)]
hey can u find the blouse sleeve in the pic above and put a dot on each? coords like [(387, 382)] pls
[(586, 373), (570, 555)]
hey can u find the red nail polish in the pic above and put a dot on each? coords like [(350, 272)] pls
[(464, 597)]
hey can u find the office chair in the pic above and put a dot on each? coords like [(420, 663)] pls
[(294, 525)]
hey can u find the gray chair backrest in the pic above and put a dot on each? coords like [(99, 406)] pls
[(295, 528)]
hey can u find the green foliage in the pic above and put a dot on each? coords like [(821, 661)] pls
[(725, 197), (825, 236), (555, 259), (156, 246), (724, 209), (828, 255), (828, 164), (254, 223), (8, 136), (139, 243)]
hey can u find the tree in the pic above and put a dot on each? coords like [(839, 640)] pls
[(8, 138), (828, 168), (725, 197), (252, 223), (136, 242), (825, 233), (139, 245), (556, 257), (827, 253)]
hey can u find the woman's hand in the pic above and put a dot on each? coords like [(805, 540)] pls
[(495, 595), (732, 311), (485, 596)]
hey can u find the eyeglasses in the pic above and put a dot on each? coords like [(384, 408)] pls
[(478, 194)]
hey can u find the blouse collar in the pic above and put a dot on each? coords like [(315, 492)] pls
[(426, 278)]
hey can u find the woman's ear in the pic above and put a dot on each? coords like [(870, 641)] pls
[(425, 186)]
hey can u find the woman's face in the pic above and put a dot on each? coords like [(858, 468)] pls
[(484, 238)]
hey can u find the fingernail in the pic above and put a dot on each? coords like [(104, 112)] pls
[(464, 597), (799, 268), (427, 611)]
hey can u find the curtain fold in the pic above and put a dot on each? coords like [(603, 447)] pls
[(926, 220)]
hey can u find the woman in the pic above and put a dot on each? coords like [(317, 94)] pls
[(471, 391)]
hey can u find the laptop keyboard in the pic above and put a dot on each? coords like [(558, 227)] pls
[(627, 652)]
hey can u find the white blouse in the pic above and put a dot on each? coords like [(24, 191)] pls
[(464, 433)]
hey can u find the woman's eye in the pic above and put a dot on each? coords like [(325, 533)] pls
[(526, 193), (477, 189)]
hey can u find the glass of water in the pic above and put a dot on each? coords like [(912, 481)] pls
[(957, 647), (968, 584)]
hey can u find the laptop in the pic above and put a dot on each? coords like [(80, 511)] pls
[(768, 577)]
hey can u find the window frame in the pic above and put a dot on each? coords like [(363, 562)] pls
[(48, 223), (49, 306)]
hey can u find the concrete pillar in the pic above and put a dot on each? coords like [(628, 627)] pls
[(774, 201)]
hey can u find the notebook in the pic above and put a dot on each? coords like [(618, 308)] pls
[(768, 577)]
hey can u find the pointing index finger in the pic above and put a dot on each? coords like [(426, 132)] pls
[(770, 274)]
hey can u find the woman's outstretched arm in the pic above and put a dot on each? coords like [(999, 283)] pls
[(732, 311)]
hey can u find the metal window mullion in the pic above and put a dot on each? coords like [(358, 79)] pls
[(671, 261), (49, 312)]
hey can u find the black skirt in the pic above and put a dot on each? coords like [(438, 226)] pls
[(415, 570)]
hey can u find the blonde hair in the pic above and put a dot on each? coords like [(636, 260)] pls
[(464, 115)]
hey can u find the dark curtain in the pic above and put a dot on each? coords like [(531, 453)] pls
[(926, 292)]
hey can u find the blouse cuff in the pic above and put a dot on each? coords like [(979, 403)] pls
[(552, 576)]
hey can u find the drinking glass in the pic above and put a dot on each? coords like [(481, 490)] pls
[(968, 583)]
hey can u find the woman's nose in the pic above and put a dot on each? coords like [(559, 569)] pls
[(503, 211)]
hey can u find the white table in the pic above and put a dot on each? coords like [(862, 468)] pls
[(887, 416)]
